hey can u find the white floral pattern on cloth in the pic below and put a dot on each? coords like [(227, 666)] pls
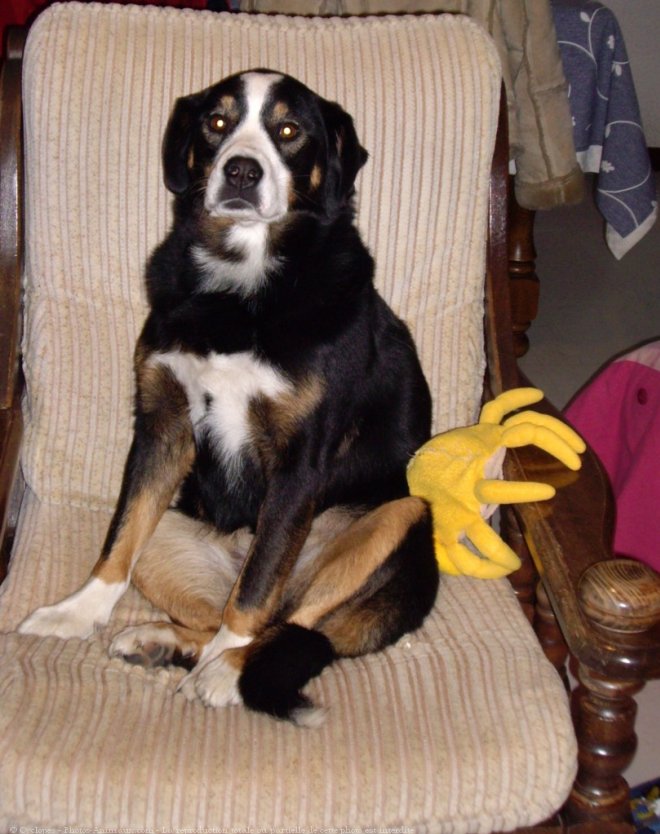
[(607, 126)]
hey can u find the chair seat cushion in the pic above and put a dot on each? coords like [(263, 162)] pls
[(460, 727)]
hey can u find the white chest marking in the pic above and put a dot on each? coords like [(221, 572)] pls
[(220, 388)]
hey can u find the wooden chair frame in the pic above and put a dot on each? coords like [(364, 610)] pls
[(602, 612)]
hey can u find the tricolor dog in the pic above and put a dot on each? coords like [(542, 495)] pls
[(264, 505)]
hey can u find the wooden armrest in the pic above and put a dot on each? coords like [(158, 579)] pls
[(608, 609), (11, 434), (570, 537), (11, 216), (11, 262)]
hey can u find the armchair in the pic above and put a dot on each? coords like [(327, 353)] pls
[(463, 726)]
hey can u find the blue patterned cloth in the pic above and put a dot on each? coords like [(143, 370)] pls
[(607, 127)]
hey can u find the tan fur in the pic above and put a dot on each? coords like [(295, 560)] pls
[(163, 401), (316, 177), (250, 621), (190, 641), (213, 232), (157, 644), (236, 657), (244, 623), (138, 526), (348, 561), (274, 421), (280, 110), (229, 105), (188, 570), (162, 397), (355, 630)]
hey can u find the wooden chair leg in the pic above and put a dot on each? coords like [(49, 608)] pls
[(621, 598), (603, 707), (604, 713), (522, 270)]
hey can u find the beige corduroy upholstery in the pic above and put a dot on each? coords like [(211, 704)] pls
[(462, 727)]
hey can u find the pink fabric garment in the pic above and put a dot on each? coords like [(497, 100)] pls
[(619, 416)]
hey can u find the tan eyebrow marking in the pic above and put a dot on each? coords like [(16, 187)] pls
[(280, 110), (315, 177), (228, 104)]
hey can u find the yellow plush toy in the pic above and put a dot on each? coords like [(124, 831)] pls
[(457, 473)]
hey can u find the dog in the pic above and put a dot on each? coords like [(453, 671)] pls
[(264, 505)]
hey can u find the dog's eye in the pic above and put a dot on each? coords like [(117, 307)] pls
[(217, 123), (288, 131)]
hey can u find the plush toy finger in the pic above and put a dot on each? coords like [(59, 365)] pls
[(494, 411), (563, 430), (512, 492), (445, 564), (528, 434), (466, 563), (491, 546)]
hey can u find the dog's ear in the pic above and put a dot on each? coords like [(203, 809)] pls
[(177, 143), (345, 155)]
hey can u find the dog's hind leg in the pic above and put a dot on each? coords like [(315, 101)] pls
[(370, 580), (187, 571), (371, 583)]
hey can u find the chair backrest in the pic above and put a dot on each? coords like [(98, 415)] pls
[(99, 83)]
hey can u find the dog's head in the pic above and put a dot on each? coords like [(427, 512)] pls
[(260, 145)]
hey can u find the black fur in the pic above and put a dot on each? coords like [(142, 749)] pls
[(284, 660)]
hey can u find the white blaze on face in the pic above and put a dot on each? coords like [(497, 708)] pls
[(251, 140)]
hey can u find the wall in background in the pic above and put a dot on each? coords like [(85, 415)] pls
[(640, 24)]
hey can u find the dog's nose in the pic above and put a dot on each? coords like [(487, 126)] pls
[(242, 172)]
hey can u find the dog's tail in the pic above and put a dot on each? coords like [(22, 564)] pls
[(277, 669)]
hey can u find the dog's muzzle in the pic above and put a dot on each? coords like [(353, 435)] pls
[(242, 175), (248, 184)]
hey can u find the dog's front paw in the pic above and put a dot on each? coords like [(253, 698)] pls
[(58, 621), (78, 615), (215, 684)]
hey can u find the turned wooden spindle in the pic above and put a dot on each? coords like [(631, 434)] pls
[(622, 599), (522, 272), (549, 634), (525, 579)]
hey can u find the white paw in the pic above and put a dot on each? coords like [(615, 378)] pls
[(215, 684), (187, 686), (58, 621), (78, 615)]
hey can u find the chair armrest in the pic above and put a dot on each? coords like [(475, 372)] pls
[(608, 609), (11, 434), (11, 215), (11, 263)]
